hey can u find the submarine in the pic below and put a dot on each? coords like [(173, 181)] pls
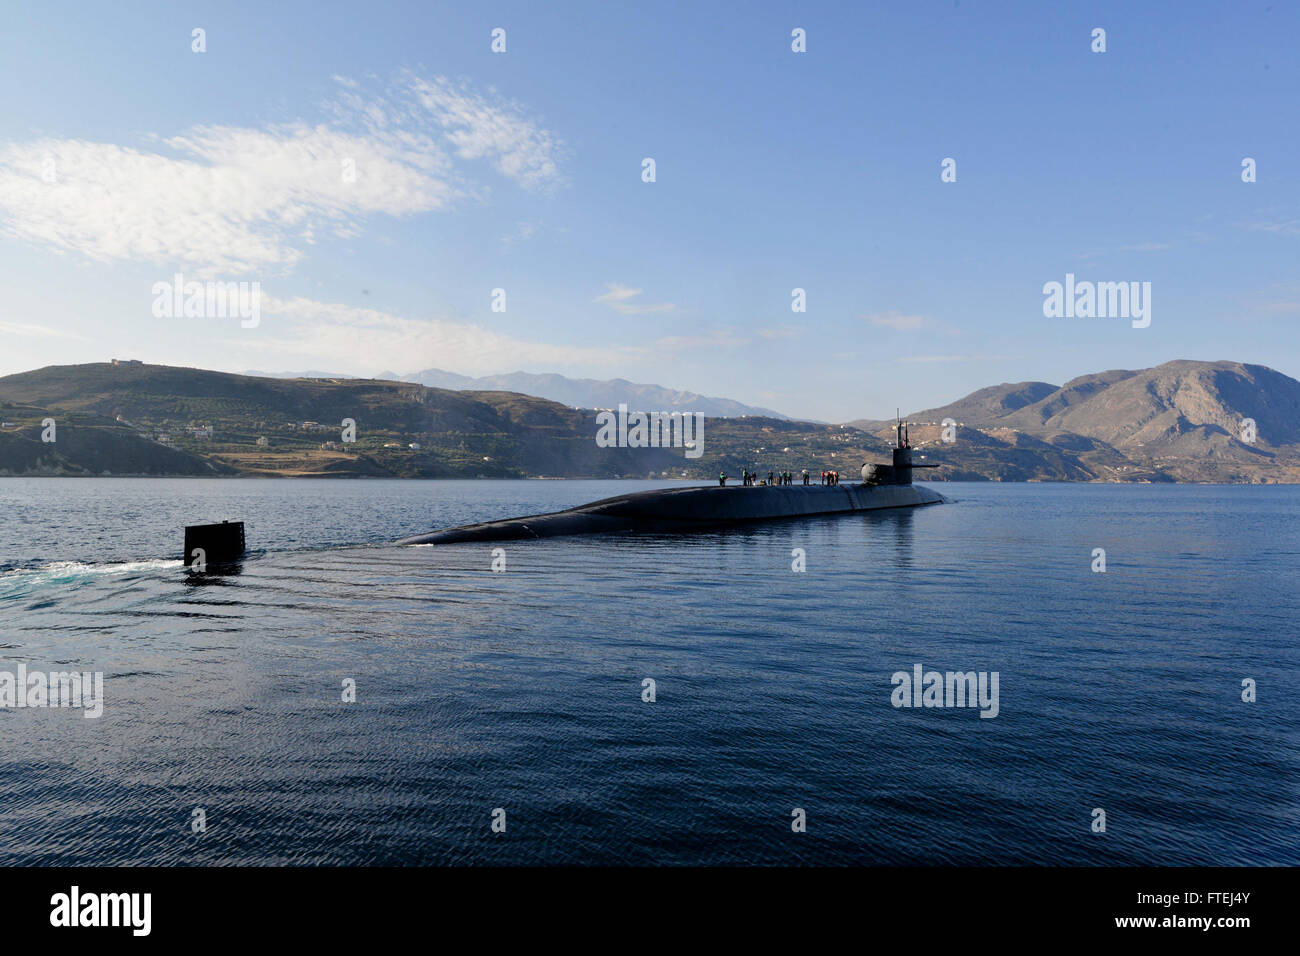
[(710, 507)]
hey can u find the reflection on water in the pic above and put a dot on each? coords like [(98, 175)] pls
[(213, 573), (522, 689)]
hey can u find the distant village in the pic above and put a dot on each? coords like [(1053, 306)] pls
[(205, 432)]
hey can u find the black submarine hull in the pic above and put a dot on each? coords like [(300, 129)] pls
[(689, 509)]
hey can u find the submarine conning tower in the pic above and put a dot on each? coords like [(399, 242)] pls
[(903, 466), (900, 471), (902, 454)]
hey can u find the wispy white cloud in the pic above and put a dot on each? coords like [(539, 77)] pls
[(305, 330), (483, 127), (911, 322), (718, 338), (783, 332), (239, 200), (1110, 251), (232, 201), (521, 233), (30, 330), (619, 297), (1277, 299), (1279, 227)]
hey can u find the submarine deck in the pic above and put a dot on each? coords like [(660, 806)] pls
[(692, 508)]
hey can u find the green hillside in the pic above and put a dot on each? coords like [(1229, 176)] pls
[(1173, 423), (263, 426)]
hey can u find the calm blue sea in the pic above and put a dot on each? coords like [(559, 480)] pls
[(522, 690)]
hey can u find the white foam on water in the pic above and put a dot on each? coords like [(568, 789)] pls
[(26, 580)]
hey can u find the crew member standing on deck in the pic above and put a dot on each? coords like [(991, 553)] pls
[(722, 479)]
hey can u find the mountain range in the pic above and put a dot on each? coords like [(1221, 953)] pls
[(574, 392), (1180, 421), (1183, 421)]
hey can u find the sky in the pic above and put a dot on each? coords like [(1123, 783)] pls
[(379, 170)]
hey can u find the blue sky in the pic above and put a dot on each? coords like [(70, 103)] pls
[(775, 170)]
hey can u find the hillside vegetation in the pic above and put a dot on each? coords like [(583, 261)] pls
[(1181, 421)]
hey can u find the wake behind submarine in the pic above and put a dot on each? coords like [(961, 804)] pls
[(698, 508)]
